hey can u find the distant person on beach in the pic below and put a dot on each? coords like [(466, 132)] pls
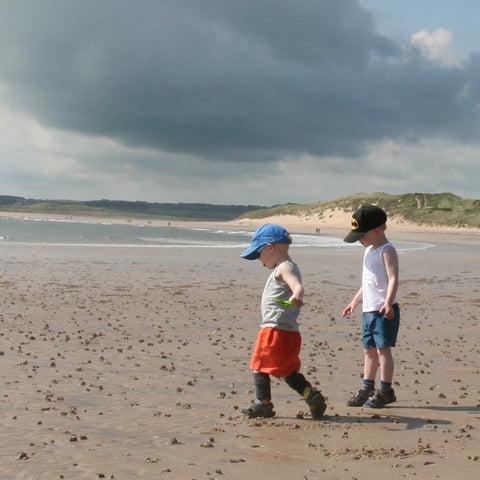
[(278, 342), (381, 314)]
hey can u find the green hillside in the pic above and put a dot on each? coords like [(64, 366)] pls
[(443, 209)]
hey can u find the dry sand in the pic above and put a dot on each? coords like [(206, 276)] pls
[(131, 363)]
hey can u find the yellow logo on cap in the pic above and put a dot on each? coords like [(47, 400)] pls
[(354, 224)]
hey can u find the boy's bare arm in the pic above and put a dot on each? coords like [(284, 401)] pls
[(390, 258), (289, 275), (354, 303)]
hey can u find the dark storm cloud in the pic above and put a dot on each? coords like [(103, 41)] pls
[(232, 80)]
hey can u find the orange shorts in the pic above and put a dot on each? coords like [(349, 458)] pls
[(276, 352)]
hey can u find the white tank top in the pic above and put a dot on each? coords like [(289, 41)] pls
[(374, 279)]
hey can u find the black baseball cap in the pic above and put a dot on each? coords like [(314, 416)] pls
[(366, 218)]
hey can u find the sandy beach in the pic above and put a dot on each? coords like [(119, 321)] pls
[(131, 363)]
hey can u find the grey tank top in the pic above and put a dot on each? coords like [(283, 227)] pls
[(274, 315)]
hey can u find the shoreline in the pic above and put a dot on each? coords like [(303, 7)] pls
[(336, 225)]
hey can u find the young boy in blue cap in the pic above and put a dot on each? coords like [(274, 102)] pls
[(381, 314), (278, 343)]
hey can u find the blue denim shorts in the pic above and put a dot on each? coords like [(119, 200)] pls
[(378, 331)]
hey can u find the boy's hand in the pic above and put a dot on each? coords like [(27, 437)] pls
[(292, 302), (297, 302), (387, 312)]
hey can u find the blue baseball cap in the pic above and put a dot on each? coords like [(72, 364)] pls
[(269, 233)]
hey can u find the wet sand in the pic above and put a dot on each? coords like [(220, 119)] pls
[(131, 363)]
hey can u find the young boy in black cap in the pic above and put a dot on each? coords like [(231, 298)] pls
[(278, 343), (381, 314)]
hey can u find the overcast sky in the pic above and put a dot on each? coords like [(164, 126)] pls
[(238, 102)]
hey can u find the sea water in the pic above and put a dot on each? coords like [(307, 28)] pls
[(30, 231)]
